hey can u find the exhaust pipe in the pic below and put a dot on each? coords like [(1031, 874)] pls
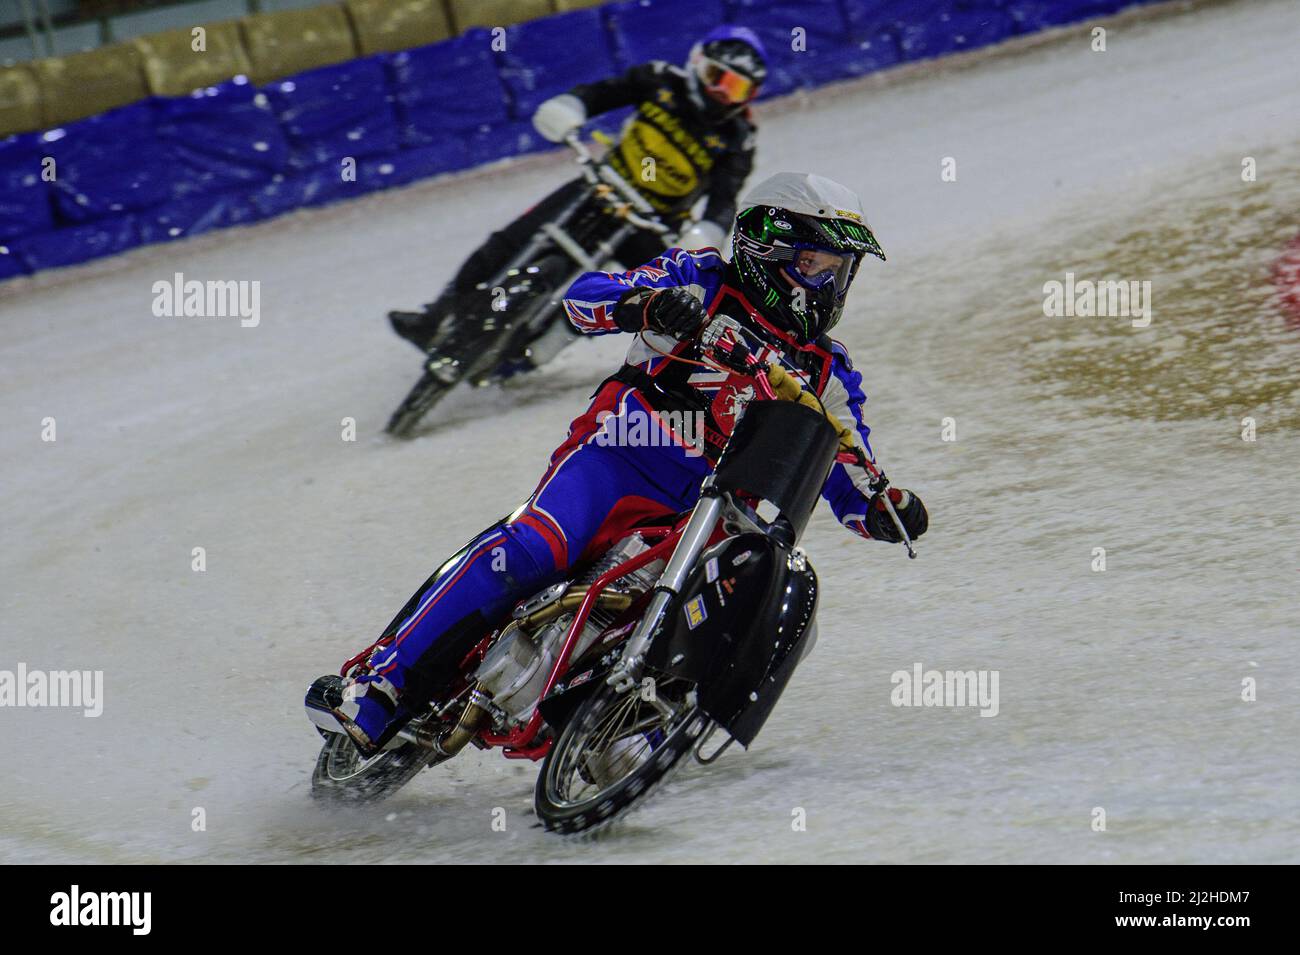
[(476, 710), (571, 601)]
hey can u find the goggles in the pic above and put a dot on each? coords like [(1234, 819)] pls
[(725, 84), (815, 267)]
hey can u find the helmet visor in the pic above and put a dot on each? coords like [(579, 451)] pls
[(725, 84)]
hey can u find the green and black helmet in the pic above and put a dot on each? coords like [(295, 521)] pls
[(796, 247)]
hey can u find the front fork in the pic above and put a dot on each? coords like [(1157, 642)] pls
[(695, 537)]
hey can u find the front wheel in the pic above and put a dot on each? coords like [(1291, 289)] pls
[(614, 750)]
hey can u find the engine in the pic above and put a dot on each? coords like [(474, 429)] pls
[(515, 668)]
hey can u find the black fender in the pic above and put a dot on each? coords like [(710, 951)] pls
[(743, 621)]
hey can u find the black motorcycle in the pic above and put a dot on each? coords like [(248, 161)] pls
[(514, 321)]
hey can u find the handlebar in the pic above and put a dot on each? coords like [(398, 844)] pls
[(634, 208), (721, 339)]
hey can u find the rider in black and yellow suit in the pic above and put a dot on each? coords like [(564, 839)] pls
[(691, 136)]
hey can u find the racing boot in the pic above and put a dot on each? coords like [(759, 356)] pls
[(368, 711)]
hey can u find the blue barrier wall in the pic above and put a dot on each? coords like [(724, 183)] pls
[(161, 169)]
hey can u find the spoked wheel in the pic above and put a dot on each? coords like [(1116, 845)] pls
[(613, 751), (343, 775)]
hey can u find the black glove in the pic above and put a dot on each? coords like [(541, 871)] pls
[(672, 311), (910, 510)]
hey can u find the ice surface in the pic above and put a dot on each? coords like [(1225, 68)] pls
[(1119, 690)]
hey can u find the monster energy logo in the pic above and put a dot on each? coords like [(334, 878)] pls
[(862, 234), (769, 226), (772, 297)]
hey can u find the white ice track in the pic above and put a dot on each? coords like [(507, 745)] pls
[(1118, 690)]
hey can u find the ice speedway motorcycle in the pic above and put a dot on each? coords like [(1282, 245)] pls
[(683, 628), (513, 321)]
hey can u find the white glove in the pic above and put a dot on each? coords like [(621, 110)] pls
[(559, 116), (703, 235)]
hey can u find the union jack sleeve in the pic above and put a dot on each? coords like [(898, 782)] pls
[(591, 300)]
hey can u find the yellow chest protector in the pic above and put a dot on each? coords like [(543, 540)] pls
[(662, 159)]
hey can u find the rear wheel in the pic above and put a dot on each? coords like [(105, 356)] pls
[(469, 347), (613, 751), (343, 775), (426, 393)]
